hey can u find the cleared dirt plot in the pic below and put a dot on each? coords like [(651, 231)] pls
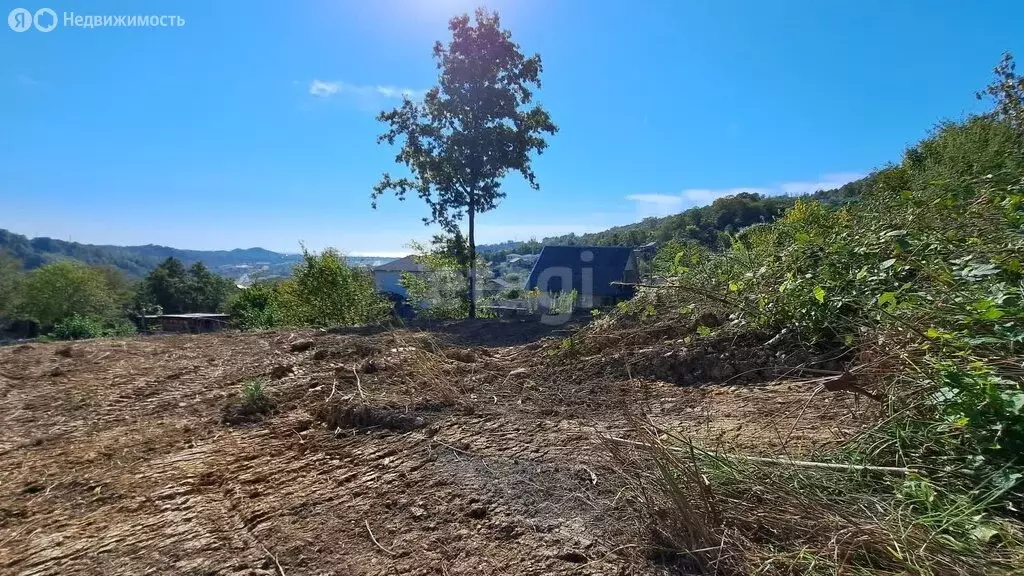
[(398, 452)]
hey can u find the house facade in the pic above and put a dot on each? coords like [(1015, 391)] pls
[(388, 276), (592, 271)]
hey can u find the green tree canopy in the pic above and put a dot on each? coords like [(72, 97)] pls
[(324, 291), (177, 290), (64, 288), (205, 291), (10, 281), (471, 129)]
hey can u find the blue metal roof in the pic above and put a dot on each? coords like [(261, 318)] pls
[(606, 264)]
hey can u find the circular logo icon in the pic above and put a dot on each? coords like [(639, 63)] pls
[(44, 24), (19, 19)]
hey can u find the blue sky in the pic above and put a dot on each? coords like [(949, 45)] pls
[(253, 124)]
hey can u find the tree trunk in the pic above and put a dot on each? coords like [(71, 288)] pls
[(472, 258)]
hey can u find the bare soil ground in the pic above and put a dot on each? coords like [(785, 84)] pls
[(405, 452)]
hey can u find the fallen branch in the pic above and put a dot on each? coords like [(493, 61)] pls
[(827, 465), (801, 463), (359, 384), (272, 557), (372, 537)]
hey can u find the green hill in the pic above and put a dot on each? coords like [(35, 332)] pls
[(138, 260), (707, 225)]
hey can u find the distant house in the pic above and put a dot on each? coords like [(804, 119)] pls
[(193, 322), (589, 270), (521, 258), (494, 286), (649, 249), (388, 276)]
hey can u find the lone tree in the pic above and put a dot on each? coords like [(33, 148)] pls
[(470, 130)]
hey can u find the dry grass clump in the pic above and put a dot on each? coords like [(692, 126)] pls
[(712, 512)]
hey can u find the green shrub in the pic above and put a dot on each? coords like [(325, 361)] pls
[(255, 397), (920, 284), (324, 291), (257, 307), (61, 289), (119, 328), (77, 328), (83, 327)]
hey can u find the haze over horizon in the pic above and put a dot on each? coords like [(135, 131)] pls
[(256, 127)]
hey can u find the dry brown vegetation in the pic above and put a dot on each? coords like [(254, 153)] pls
[(404, 452)]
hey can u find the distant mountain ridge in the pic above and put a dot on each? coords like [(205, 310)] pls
[(706, 224), (139, 260)]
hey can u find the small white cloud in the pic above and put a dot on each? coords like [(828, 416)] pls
[(322, 89), (701, 196), (328, 89), (826, 182), (656, 204), (394, 92), (669, 200)]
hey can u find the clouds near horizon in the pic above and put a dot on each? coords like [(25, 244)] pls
[(652, 204)]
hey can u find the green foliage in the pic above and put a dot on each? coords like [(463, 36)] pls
[(677, 256), (324, 291), (255, 396), (1007, 90), (471, 129), (562, 302), (257, 307), (78, 327), (61, 289), (925, 271), (206, 291), (710, 226), (11, 276), (512, 293), (441, 289), (177, 290)]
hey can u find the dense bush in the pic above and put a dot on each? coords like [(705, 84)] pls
[(82, 327), (927, 262), (64, 288), (324, 291), (257, 307), (77, 328)]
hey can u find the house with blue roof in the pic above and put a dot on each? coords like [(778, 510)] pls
[(589, 270)]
